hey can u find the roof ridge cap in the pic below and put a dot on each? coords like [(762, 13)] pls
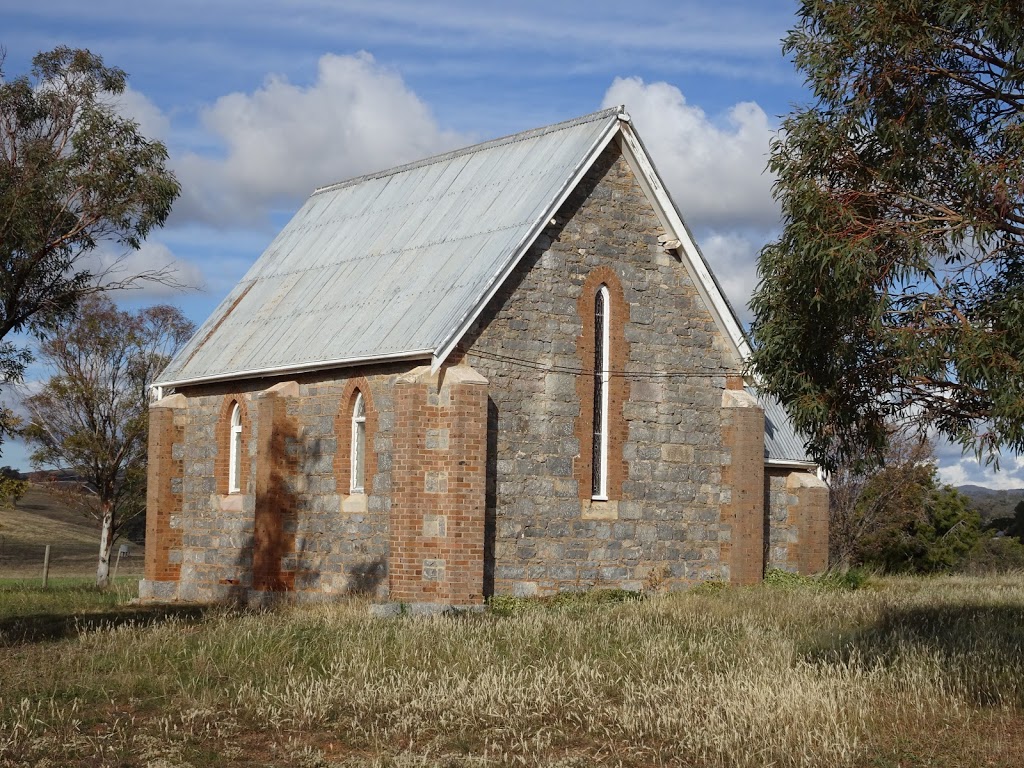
[(472, 148)]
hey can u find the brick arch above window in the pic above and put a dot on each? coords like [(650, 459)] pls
[(618, 385), (222, 462), (343, 434)]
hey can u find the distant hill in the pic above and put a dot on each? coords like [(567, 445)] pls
[(991, 504), (41, 518)]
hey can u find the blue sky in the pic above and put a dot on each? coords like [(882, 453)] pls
[(261, 101)]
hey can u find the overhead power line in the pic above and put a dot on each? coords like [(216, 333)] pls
[(573, 371)]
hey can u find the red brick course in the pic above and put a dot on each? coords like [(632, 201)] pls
[(163, 501), (437, 484), (743, 515)]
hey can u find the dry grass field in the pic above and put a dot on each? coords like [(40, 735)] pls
[(899, 673), (40, 518)]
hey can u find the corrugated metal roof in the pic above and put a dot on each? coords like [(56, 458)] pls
[(781, 442), (387, 265)]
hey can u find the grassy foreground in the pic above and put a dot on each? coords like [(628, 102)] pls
[(21, 598), (903, 672)]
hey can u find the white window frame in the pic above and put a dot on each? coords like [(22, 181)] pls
[(358, 419), (605, 377), (235, 450)]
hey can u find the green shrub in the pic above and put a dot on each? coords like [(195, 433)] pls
[(851, 578), (711, 587), (995, 554), (507, 605), (11, 490), (848, 580)]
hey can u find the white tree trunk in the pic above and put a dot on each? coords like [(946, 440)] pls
[(106, 544)]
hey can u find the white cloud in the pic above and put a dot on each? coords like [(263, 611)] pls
[(733, 259), (153, 123), (283, 140), (714, 170), (955, 468)]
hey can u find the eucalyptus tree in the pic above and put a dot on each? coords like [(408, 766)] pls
[(91, 417), (74, 175), (896, 289)]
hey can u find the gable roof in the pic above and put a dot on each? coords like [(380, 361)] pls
[(396, 265)]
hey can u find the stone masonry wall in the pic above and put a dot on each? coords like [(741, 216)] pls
[(796, 504), (310, 535), (416, 535), (664, 524), (782, 534)]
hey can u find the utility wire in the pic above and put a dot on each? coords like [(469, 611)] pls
[(532, 365)]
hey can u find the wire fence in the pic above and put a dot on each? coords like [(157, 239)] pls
[(21, 559)]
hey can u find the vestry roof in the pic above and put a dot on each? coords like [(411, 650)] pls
[(396, 265), (781, 442)]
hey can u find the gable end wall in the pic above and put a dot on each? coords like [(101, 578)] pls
[(663, 526)]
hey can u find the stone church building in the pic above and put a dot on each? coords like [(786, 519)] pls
[(503, 370)]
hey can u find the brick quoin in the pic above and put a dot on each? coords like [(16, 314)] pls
[(811, 550), (274, 562), (438, 483), (164, 493), (743, 515), (812, 543)]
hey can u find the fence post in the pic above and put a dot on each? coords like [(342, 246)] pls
[(46, 566)]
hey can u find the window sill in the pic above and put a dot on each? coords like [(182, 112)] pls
[(354, 502), (231, 502), (600, 509)]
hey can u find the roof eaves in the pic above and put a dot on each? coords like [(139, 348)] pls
[(791, 463), (284, 370)]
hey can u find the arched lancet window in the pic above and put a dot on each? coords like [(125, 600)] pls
[(358, 444), (602, 319), (235, 451)]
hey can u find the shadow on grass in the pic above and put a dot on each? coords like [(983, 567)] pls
[(977, 648), (45, 627)]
